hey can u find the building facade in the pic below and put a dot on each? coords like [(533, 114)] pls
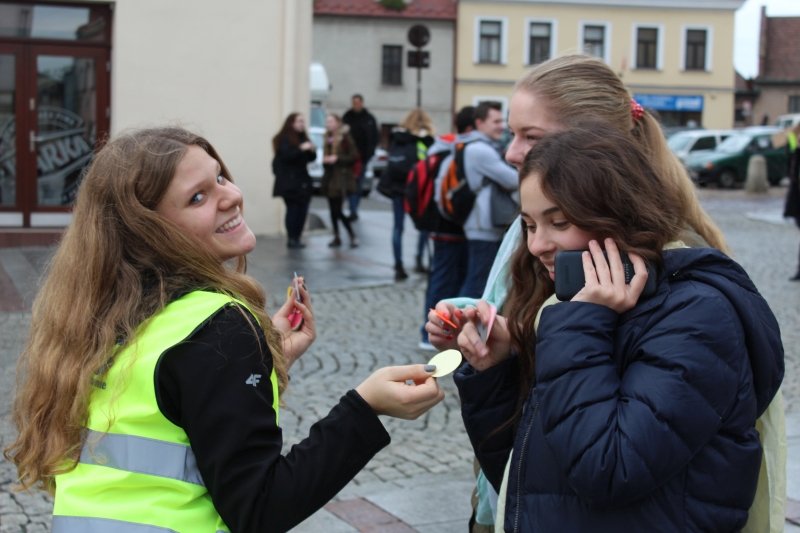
[(73, 73), (365, 49), (675, 56), (777, 85)]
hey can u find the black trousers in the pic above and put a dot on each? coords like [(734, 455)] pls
[(296, 213)]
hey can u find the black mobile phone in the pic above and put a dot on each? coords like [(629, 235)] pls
[(570, 280)]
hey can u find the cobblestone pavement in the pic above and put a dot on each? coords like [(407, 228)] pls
[(365, 327)]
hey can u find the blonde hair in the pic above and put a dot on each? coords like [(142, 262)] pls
[(579, 87), (119, 262), (418, 122)]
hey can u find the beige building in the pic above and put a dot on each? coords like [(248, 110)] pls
[(230, 71), (675, 56)]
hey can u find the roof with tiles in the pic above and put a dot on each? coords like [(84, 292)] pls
[(780, 42), (415, 9)]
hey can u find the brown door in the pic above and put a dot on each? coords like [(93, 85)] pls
[(61, 113)]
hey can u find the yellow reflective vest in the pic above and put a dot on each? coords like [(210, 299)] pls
[(137, 472)]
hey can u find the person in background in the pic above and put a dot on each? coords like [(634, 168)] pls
[(409, 143), (482, 163), (449, 262), (149, 389), (293, 151), (792, 202), (364, 129), (599, 413), (339, 180), (555, 96)]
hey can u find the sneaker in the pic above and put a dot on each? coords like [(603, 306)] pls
[(353, 242), (353, 217), (400, 274), (335, 243), (428, 347)]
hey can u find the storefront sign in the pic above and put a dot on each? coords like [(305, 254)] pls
[(670, 102)]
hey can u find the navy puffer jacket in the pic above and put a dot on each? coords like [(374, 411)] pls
[(638, 422)]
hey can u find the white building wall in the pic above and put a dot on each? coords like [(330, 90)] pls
[(230, 71), (351, 48)]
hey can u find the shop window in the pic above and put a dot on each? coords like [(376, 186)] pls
[(54, 22), (392, 65)]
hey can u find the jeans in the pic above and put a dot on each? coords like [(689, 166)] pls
[(480, 256), (296, 213), (354, 199), (397, 229), (447, 273)]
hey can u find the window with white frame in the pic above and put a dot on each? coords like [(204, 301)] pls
[(540, 41), (392, 64), (594, 40), (490, 41), (794, 104), (696, 49), (646, 47)]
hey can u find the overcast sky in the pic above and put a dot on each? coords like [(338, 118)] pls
[(748, 18)]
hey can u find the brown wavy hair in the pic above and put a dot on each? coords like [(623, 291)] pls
[(287, 132), (118, 263), (576, 87), (605, 184)]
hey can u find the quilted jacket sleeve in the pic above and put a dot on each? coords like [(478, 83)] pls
[(488, 399), (623, 412)]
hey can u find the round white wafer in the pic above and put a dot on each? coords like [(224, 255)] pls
[(445, 362)]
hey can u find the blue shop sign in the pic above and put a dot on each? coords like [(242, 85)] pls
[(669, 102)]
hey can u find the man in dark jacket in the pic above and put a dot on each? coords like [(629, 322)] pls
[(364, 130)]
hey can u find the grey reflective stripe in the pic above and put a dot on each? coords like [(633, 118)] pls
[(83, 524), (141, 455)]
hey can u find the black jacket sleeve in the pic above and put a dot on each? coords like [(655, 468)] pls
[(216, 387)]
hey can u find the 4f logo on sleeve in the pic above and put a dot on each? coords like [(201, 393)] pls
[(253, 380)]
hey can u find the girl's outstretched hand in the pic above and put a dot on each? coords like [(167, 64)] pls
[(479, 353), (605, 279), (442, 335), (401, 391), (295, 343)]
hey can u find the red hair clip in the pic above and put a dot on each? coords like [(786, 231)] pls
[(637, 111)]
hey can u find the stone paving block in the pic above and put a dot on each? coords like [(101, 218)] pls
[(366, 516)]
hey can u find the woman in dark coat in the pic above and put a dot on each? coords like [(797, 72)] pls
[(617, 410), (339, 179), (293, 152)]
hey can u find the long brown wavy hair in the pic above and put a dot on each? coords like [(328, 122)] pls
[(580, 87), (118, 263), (287, 132), (605, 184)]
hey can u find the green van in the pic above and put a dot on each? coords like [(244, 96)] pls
[(726, 165)]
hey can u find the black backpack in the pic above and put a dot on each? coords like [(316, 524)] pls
[(402, 156)]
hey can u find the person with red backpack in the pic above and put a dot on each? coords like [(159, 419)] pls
[(409, 144), (448, 268)]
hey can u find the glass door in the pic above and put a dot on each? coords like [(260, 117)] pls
[(54, 108), (70, 112), (9, 109)]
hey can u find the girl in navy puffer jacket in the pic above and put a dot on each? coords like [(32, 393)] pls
[(616, 411)]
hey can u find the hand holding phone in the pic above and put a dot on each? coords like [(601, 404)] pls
[(570, 279)]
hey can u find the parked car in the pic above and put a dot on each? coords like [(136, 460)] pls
[(686, 142), (788, 121), (375, 166), (727, 164)]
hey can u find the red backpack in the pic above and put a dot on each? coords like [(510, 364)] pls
[(419, 201)]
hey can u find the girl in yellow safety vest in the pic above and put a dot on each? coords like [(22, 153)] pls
[(149, 388)]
